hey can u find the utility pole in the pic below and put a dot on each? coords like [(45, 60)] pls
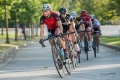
[(67, 4)]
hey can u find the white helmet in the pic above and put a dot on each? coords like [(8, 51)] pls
[(46, 7), (73, 14), (92, 16)]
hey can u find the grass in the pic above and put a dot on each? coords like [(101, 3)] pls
[(11, 36), (112, 40), (4, 46)]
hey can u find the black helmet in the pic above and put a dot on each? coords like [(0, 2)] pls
[(62, 10)]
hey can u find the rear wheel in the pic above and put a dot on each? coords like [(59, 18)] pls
[(67, 64), (58, 63), (86, 46)]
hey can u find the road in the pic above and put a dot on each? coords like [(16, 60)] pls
[(35, 63), (110, 30), (107, 30)]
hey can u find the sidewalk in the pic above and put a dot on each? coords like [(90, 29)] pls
[(116, 48)]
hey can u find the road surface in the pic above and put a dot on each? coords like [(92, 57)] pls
[(36, 63), (107, 30)]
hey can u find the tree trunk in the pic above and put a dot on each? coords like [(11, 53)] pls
[(6, 23), (16, 28), (2, 27), (31, 31), (36, 30), (25, 30)]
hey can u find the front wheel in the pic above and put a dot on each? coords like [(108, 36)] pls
[(58, 63), (86, 46), (94, 46)]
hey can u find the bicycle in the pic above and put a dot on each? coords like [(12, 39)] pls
[(58, 58), (85, 45), (94, 43), (72, 53)]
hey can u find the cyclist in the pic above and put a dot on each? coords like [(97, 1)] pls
[(68, 26), (88, 27), (54, 26), (79, 26), (96, 27)]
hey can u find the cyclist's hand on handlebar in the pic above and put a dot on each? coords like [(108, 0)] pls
[(92, 30), (42, 43)]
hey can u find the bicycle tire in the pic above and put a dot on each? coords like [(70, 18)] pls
[(60, 71), (86, 46), (78, 53), (73, 59), (94, 45), (68, 66)]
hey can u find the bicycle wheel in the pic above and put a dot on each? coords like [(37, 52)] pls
[(55, 55), (94, 46), (67, 64), (86, 46), (71, 54), (78, 53)]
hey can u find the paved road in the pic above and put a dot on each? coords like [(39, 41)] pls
[(108, 30), (35, 63), (111, 30)]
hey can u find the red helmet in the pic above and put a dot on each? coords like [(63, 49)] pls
[(83, 12)]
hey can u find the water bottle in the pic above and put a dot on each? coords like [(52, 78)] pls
[(60, 52)]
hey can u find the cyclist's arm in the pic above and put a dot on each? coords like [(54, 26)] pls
[(41, 31), (90, 23), (60, 26), (98, 24), (42, 27)]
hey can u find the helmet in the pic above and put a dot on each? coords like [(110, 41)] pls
[(46, 7), (62, 10), (83, 12), (73, 14), (92, 16)]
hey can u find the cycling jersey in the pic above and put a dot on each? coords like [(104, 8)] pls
[(78, 22), (95, 23), (86, 19), (68, 19), (51, 22)]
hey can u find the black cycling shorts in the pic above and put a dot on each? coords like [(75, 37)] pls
[(96, 29), (51, 32)]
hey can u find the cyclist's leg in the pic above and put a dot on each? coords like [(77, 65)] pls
[(82, 28), (62, 42), (89, 37), (51, 33), (97, 39), (73, 38)]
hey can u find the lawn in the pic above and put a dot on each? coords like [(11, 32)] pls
[(112, 40)]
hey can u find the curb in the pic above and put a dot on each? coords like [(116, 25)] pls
[(116, 48), (4, 55)]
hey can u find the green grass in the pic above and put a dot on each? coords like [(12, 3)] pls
[(4, 46), (11, 36), (110, 40)]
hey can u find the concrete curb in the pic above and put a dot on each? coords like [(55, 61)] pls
[(116, 48), (4, 55)]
